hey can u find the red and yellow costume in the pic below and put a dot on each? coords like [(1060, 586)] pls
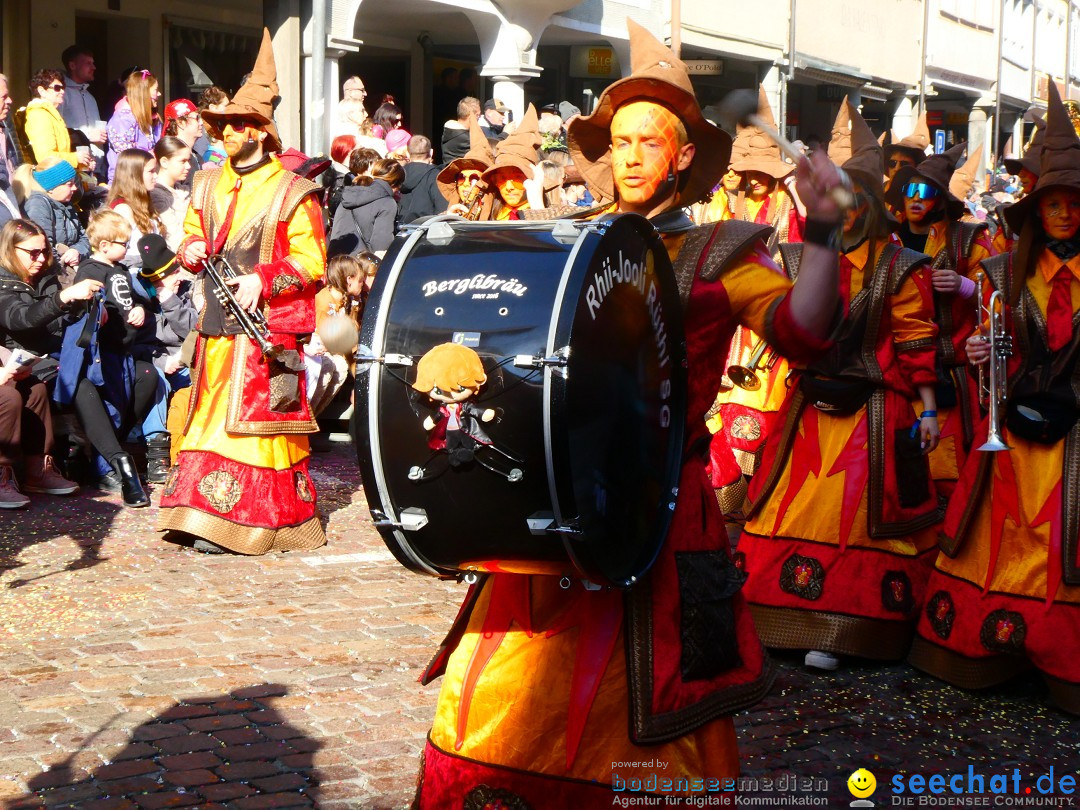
[(551, 696), (541, 683), (241, 478), (1006, 591), (961, 246), (836, 546)]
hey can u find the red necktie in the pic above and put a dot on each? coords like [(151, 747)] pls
[(1059, 311)]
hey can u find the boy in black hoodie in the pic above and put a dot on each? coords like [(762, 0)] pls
[(109, 234)]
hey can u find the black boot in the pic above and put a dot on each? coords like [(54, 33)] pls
[(157, 457), (130, 485)]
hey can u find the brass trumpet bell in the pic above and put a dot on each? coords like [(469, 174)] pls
[(744, 377)]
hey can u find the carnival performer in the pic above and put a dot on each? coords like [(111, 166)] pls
[(241, 480), (907, 151), (841, 534), (551, 695), (768, 198), (515, 158), (745, 407), (932, 225), (1027, 170), (1005, 593), (460, 180)]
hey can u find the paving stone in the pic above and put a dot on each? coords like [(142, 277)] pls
[(143, 674)]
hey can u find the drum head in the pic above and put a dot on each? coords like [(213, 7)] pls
[(617, 415)]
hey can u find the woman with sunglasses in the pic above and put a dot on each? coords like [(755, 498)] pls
[(932, 225), (45, 128), (33, 313), (1005, 593), (842, 530), (135, 123)]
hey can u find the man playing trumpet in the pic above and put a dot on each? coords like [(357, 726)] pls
[(241, 479)]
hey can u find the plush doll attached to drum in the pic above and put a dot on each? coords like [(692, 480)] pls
[(451, 375)]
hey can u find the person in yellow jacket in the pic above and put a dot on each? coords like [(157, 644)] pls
[(241, 480), (45, 128)]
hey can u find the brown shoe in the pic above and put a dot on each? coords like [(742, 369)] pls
[(10, 497), (43, 477)]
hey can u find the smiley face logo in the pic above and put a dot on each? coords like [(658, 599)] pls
[(862, 783)]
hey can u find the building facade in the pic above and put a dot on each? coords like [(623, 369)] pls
[(976, 66)]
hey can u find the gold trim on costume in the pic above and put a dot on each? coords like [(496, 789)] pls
[(243, 539), (792, 629), (959, 670)]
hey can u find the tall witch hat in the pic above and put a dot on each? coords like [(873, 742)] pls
[(254, 101), (1059, 162), (840, 142), (913, 145), (937, 170), (519, 150), (963, 179), (479, 157), (866, 165), (759, 153), (1030, 160), (656, 75)]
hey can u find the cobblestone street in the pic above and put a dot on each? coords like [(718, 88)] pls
[(138, 674)]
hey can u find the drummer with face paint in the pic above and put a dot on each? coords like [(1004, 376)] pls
[(556, 693)]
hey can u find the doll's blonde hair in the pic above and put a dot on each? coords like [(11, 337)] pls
[(449, 366)]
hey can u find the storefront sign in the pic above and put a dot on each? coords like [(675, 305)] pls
[(593, 62), (831, 92), (935, 118), (705, 67)]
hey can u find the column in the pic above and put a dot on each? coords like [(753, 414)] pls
[(979, 133), (283, 19)]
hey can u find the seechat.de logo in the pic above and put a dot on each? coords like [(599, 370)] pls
[(862, 785)]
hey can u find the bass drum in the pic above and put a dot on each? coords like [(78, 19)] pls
[(579, 329)]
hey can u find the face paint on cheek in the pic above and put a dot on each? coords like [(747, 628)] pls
[(645, 145)]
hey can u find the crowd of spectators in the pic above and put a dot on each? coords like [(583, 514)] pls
[(95, 312)]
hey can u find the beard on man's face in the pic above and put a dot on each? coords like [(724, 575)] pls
[(246, 150)]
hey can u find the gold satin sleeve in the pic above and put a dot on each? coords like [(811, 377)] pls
[(752, 286), (911, 310)]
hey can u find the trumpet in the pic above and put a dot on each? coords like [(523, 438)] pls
[(746, 377), (475, 202), (253, 324), (992, 374)]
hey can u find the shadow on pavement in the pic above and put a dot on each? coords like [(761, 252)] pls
[(234, 749), (87, 522)]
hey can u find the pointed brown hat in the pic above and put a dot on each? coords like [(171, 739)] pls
[(963, 179), (254, 101), (1030, 160), (914, 144), (759, 153), (866, 165), (519, 150), (1059, 165), (840, 142), (656, 75), (479, 157), (937, 170)]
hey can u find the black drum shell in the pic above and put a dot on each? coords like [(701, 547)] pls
[(601, 444)]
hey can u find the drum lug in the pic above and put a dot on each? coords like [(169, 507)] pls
[(557, 361), (365, 357), (540, 522), (412, 519)]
